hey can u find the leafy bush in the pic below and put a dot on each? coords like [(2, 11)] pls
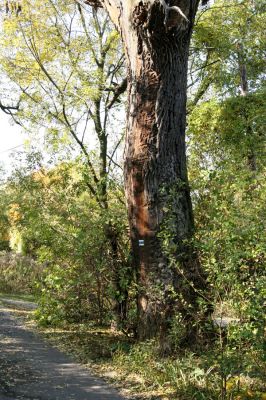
[(229, 200)]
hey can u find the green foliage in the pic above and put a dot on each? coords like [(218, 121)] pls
[(229, 201), (63, 62), (63, 227), (52, 52), (226, 132), (226, 35)]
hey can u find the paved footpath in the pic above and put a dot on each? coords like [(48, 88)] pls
[(30, 369)]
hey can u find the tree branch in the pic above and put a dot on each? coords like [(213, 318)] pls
[(120, 89)]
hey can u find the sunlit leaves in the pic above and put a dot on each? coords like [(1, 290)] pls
[(224, 33), (60, 57)]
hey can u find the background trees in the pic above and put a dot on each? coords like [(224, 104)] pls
[(65, 64), (67, 68), (227, 169)]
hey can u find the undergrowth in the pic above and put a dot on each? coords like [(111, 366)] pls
[(141, 372)]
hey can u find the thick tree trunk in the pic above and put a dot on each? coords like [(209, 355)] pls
[(155, 165), (156, 39)]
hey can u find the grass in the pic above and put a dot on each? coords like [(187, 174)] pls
[(140, 373), (17, 296)]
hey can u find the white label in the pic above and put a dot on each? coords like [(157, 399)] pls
[(141, 242)]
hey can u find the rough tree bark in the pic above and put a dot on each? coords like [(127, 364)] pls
[(156, 38)]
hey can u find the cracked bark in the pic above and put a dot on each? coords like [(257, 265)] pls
[(155, 160)]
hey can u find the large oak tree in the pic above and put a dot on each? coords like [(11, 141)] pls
[(156, 38)]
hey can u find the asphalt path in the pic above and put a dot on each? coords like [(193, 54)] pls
[(31, 369)]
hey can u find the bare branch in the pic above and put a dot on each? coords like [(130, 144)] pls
[(8, 109), (111, 158)]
